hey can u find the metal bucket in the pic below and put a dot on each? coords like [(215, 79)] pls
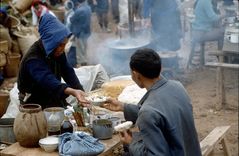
[(6, 131)]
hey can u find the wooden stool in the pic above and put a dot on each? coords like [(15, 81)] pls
[(217, 135), (202, 51)]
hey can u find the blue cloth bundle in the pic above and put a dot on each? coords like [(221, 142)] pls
[(79, 144)]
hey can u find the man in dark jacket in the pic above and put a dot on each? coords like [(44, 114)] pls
[(164, 16), (163, 116), (80, 26), (102, 8), (45, 64)]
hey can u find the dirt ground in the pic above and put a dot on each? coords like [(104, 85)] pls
[(200, 84)]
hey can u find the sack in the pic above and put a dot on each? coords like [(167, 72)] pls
[(79, 144), (30, 125)]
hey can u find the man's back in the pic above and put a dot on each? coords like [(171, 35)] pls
[(166, 119)]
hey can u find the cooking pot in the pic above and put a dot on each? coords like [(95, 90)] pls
[(233, 37), (229, 20), (120, 52), (6, 130), (102, 129)]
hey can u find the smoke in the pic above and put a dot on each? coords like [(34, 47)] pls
[(114, 53)]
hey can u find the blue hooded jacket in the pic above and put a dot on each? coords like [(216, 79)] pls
[(40, 72), (52, 32)]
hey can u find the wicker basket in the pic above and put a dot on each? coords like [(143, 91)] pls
[(12, 67), (23, 5), (4, 102), (3, 52)]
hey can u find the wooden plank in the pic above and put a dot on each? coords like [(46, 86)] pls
[(212, 139), (216, 53), (224, 65)]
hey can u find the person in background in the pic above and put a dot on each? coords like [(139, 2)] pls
[(43, 66), (55, 2), (102, 8), (91, 4), (115, 10), (228, 2), (69, 11), (207, 25), (164, 115), (164, 18), (80, 26), (38, 9)]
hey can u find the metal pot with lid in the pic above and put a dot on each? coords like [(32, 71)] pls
[(102, 129), (232, 34)]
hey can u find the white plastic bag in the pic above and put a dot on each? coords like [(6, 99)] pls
[(12, 109)]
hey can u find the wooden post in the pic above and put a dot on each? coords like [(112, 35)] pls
[(221, 103)]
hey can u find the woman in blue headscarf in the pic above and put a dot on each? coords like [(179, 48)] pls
[(45, 64)]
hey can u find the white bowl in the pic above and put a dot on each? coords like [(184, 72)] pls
[(49, 144)]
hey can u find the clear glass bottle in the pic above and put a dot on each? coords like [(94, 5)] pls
[(66, 126)]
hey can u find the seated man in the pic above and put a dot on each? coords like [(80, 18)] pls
[(207, 24), (164, 115)]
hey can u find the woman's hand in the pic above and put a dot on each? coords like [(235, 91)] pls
[(113, 105), (79, 95)]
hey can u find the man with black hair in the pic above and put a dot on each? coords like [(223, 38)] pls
[(163, 116)]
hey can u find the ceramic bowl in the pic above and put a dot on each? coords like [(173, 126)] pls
[(49, 144)]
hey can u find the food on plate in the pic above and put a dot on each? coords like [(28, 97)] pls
[(97, 100)]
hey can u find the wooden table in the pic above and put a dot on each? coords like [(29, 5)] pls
[(17, 150), (230, 50)]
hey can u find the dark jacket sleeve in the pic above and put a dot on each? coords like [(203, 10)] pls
[(131, 112), (153, 141), (68, 73), (41, 74)]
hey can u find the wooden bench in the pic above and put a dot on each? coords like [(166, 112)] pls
[(217, 135), (224, 65)]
